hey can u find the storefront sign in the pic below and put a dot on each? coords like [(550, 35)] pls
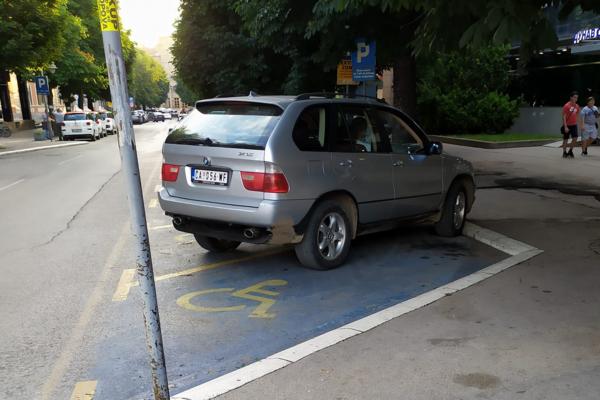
[(587, 34)]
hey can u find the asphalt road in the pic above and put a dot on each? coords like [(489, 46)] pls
[(62, 211)]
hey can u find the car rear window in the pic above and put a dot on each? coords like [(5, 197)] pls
[(228, 124), (74, 117)]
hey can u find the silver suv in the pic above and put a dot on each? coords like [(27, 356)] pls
[(311, 170)]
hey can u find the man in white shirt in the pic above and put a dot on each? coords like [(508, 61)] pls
[(589, 130)]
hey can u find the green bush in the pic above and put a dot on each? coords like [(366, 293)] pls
[(465, 93)]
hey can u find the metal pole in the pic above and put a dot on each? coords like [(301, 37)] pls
[(49, 130), (109, 20)]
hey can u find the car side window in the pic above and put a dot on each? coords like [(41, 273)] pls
[(402, 138), (355, 131), (310, 130)]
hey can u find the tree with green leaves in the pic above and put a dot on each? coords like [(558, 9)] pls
[(81, 67), (465, 92), (187, 95), (31, 37), (149, 84)]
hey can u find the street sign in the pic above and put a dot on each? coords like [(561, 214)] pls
[(41, 85), (363, 61), (344, 73)]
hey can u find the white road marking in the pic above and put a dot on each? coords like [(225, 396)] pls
[(7, 153), (11, 185), (157, 188), (518, 251), (69, 160), (153, 203)]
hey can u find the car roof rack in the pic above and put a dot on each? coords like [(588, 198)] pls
[(306, 96), (332, 95)]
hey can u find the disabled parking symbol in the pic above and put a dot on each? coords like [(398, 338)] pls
[(249, 293)]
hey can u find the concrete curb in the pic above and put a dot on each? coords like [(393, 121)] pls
[(7, 153), (491, 145)]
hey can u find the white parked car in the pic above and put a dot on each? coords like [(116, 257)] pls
[(80, 125), (168, 115), (110, 126), (99, 122)]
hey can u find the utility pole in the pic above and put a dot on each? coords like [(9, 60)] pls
[(108, 11)]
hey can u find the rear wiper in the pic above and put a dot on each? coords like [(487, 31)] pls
[(194, 141)]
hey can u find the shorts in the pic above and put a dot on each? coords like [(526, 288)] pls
[(572, 132), (589, 132)]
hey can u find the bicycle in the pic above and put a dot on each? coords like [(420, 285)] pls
[(4, 131)]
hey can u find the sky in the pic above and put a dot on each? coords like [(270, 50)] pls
[(149, 20)]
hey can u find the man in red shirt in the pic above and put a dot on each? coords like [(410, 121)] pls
[(570, 115)]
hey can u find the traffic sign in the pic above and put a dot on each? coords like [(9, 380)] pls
[(344, 72), (41, 85), (363, 61)]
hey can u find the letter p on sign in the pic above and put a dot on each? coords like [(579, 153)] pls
[(362, 51)]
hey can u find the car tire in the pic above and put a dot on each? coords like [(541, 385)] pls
[(93, 138), (215, 245), (454, 211), (327, 238)]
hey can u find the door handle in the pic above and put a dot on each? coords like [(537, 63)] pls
[(347, 163), (398, 164)]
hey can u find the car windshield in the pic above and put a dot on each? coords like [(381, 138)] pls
[(228, 124), (74, 117), (102, 116)]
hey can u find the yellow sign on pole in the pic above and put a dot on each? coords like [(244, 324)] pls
[(344, 73), (108, 11)]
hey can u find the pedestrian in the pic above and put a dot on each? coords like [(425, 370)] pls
[(589, 128), (59, 117), (570, 115)]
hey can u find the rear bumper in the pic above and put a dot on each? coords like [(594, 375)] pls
[(279, 218), (83, 135)]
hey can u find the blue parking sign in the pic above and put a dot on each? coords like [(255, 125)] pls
[(363, 61), (41, 85)]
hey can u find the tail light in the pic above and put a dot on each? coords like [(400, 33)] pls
[(88, 123), (271, 181), (170, 172), (62, 124)]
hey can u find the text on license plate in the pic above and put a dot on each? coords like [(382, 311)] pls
[(210, 176), (76, 130)]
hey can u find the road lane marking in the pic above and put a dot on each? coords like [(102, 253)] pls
[(124, 285), (12, 184), (7, 153), (126, 288), (80, 328), (84, 390), (252, 372), (69, 160), (153, 203), (260, 311), (157, 188)]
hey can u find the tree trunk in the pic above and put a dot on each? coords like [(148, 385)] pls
[(405, 85), (24, 98), (7, 113)]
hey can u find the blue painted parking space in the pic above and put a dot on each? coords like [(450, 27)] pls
[(225, 317)]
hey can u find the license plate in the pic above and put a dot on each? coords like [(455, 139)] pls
[(76, 130), (210, 177)]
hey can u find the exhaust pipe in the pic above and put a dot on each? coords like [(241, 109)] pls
[(177, 221), (251, 233)]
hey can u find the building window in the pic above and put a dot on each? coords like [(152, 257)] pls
[(176, 102)]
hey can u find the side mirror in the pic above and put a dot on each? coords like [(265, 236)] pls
[(434, 148)]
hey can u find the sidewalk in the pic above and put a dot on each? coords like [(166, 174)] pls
[(530, 332), (22, 141)]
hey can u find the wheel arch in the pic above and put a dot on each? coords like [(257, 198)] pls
[(345, 199), (468, 182)]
